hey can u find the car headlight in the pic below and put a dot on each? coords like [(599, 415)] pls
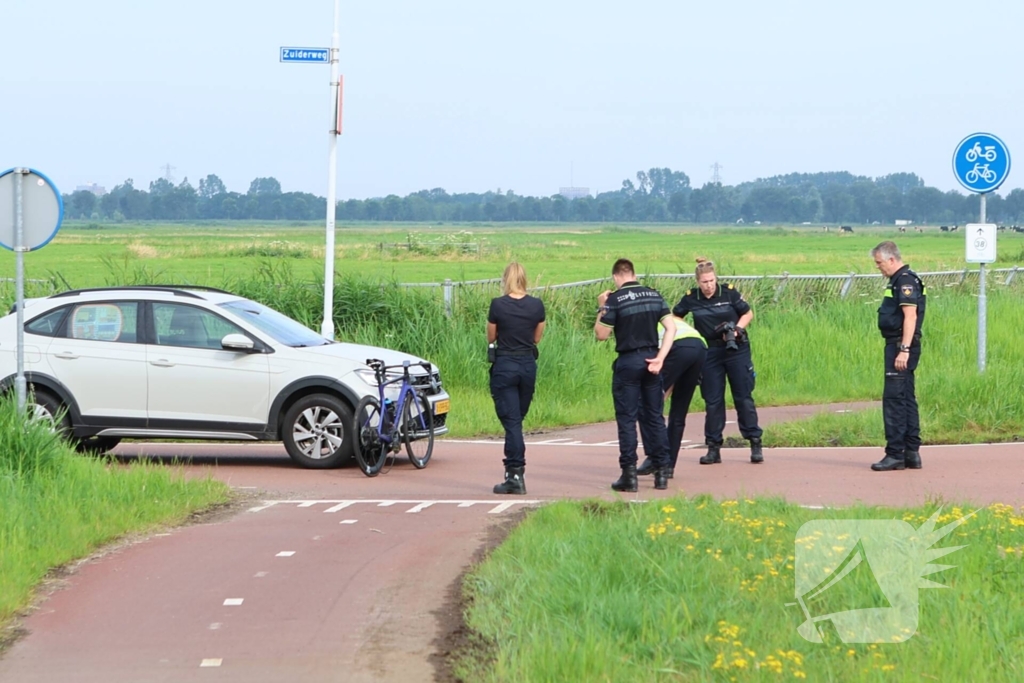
[(367, 376)]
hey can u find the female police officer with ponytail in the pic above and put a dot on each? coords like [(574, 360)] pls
[(721, 316), (515, 325)]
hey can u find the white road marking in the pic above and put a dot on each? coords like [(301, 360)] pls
[(288, 553), (215, 626), (211, 662), (259, 575), (416, 505), (233, 602), (348, 521)]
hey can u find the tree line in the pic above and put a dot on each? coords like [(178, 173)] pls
[(655, 195)]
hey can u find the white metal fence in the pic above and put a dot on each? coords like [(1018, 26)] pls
[(759, 287)]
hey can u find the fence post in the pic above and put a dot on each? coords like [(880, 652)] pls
[(846, 286), (447, 297), (782, 285), (963, 276), (1009, 278)]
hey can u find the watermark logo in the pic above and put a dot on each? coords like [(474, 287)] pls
[(859, 579)]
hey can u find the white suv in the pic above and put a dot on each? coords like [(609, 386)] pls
[(155, 362)]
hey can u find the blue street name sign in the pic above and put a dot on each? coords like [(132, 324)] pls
[(310, 55), (981, 162)]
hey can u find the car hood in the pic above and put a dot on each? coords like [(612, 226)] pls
[(360, 353)]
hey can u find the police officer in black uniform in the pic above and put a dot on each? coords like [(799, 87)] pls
[(721, 316), (515, 325), (633, 312), (899, 320)]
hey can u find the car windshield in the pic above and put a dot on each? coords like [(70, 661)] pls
[(277, 325)]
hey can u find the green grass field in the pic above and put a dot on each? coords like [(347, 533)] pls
[(703, 590), (210, 254)]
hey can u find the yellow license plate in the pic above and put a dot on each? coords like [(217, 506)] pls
[(441, 407)]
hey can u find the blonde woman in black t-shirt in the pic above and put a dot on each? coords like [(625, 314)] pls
[(515, 325)]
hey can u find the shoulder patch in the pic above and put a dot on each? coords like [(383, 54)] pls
[(730, 286), (907, 290), (689, 292)]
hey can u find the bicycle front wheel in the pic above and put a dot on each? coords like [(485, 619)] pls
[(418, 429), (369, 447)]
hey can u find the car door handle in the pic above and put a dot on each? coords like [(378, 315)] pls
[(66, 355), (162, 363)]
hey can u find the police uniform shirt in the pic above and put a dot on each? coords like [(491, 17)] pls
[(905, 289), (726, 306), (516, 320), (634, 312)]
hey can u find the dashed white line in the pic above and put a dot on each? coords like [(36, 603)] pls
[(348, 521), (259, 575), (285, 553), (233, 602), (340, 506), (500, 508), (215, 626), (421, 506), (211, 662)]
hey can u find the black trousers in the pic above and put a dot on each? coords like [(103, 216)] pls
[(681, 373), (738, 367), (899, 404), (638, 397), (513, 381)]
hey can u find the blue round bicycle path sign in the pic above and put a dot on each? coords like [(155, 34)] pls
[(981, 162)]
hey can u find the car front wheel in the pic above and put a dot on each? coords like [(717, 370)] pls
[(315, 431)]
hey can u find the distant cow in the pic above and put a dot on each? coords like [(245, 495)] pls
[(919, 228), (954, 228), (845, 228), (1016, 229), (944, 228), (825, 228), (902, 229)]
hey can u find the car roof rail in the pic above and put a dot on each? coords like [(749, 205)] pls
[(178, 290)]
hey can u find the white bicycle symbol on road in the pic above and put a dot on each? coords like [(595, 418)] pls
[(974, 153), (980, 172)]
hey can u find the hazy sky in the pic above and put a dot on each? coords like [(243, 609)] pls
[(471, 95)]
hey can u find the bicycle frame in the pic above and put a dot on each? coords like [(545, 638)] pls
[(405, 393)]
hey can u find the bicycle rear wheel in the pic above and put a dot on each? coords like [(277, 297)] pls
[(369, 448), (418, 429)]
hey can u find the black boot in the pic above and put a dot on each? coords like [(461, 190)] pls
[(756, 456), (514, 482), (670, 471), (661, 478), (912, 459), (627, 482), (646, 467), (889, 463), (714, 454)]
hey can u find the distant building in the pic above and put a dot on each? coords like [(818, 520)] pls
[(97, 190), (572, 193), (901, 221)]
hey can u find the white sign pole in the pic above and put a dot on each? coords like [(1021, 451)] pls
[(327, 327), (982, 303), (19, 284)]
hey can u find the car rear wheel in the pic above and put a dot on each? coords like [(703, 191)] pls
[(46, 407), (315, 431)]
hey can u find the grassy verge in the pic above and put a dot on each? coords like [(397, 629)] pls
[(697, 590), (57, 506)]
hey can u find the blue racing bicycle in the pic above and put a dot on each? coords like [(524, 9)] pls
[(384, 426)]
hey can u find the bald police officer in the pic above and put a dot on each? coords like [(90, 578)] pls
[(900, 318)]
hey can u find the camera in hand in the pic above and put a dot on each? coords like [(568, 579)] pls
[(729, 336)]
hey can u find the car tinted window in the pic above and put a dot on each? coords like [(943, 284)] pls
[(178, 325), (277, 325), (109, 321), (48, 324)]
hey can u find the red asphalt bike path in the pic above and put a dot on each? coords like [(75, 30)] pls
[(345, 578)]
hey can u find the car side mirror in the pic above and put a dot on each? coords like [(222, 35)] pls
[(238, 342)]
